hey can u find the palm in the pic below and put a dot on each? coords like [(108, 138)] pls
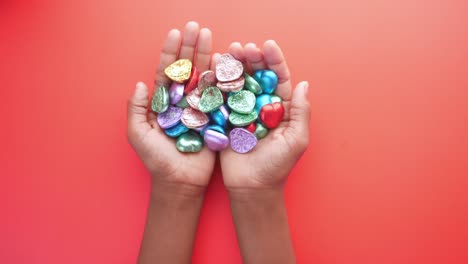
[(269, 163), (260, 167), (166, 161)]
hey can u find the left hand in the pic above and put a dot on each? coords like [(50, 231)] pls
[(269, 163)]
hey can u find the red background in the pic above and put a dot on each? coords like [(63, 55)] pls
[(384, 179)]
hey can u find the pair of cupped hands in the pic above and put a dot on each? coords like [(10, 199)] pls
[(266, 167)]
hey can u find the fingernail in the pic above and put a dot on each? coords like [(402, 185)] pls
[(140, 90)]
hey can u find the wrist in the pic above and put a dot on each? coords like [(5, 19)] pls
[(257, 196), (162, 190), (172, 220), (261, 224)]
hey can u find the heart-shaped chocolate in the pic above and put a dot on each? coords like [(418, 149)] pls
[(220, 116), (260, 131), (242, 102), (267, 79), (252, 85), (179, 71), (189, 142), (271, 115), (160, 101), (193, 98), (262, 100), (211, 99), (176, 130), (215, 140), (228, 68), (170, 117), (192, 118), (251, 128), (193, 82), (240, 120), (242, 141), (232, 86), (176, 92), (205, 80), (275, 98), (183, 102)]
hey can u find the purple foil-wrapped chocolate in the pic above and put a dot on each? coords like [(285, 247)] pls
[(224, 110), (170, 118), (176, 92), (242, 141), (215, 140)]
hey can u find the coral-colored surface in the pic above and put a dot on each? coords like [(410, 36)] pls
[(384, 180)]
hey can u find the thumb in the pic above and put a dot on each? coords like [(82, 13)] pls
[(300, 115), (138, 109)]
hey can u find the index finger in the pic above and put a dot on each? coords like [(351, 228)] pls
[(276, 62)]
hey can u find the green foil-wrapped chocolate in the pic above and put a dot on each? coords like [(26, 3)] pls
[(242, 102), (211, 99), (252, 85), (189, 142), (160, 101), (183, 103), (276, 99), (260, 131), (239, 120)]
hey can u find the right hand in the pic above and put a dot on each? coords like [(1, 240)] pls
[(157, 151)]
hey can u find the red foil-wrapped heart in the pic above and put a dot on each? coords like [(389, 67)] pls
[(193, 82), (271, 115), (251, 128)]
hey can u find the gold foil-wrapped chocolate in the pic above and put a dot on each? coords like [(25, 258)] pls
[(179, 71)]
